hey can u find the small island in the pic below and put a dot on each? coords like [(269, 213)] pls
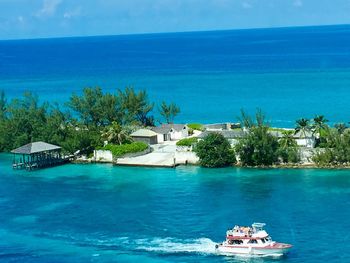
[(121, 128)]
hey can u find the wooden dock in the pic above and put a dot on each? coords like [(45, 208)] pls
[(37, 155)]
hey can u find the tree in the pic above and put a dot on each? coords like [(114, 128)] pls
[(115, 134), (258, 147), (136, 107), (302, 127), (336, 151), (95, 108), (3, 105), (27, 119), (288, 150), (319, 126), (169, 111), (340, 127), (215, 151), (288, 139), (247, 122)]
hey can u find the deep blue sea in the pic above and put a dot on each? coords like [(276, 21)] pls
[(288, 72), (101, 213)]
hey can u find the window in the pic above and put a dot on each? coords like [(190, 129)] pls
[(253, 241)]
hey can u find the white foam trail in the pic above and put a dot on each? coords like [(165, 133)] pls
[(172, 245)]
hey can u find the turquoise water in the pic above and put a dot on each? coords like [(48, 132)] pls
[(101, 213), (288, 72)]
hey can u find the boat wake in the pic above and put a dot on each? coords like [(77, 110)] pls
[(173, 245), (202, 246), (168, 245)]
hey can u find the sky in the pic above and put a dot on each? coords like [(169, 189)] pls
[(65, 18)]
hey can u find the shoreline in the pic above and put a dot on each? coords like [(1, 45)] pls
[(282, 166)]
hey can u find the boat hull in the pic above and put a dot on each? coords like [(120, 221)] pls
[(276, 249)]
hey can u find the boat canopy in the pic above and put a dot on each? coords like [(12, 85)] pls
[(258, 226)]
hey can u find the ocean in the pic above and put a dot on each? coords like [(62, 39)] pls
[(104, 213), (287, 72)]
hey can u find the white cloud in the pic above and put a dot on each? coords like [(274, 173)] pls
[(298, 3), (72, 13), (247, 5), (49, 8)]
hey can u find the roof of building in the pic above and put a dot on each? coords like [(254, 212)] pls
[(228, 134), (166, 128), (234, 134), (143, 133), (36, 147), (308, 134)]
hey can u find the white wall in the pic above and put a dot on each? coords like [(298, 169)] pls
[(160, 138), (178, 135), (186, 158), (103, 155), (306, 142)]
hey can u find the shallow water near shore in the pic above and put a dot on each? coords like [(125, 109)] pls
[(103, 213)]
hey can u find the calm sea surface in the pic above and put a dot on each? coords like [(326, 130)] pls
[(288, 72), (101, 213)]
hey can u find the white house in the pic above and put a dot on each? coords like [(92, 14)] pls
[(167, 132), (307, 140), (231, 135), (145, 135)]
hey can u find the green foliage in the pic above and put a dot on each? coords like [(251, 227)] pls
[(136, 107), (95, 108), (120, 150), (319, 125), (26, 119), (169, 111), (336, 151), (81, 139), (340, 127), (258, 147), (288, 139), (187, 141), (3, 105), (247, 121), (195, 126), (288, 151), (289, 155), (115, 134), (215, 151), (303, 126)]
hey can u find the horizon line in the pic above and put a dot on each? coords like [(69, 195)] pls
[(173, 32)]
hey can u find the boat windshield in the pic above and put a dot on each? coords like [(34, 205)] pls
[(258, 227)]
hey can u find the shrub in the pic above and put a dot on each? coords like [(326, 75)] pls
[(215, 151), (289, 154), (120, 150), (196, 126), (258, 147), (187, 141)]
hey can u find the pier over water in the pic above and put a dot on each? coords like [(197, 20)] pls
[(37, 155)]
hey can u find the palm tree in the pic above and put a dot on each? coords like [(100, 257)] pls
[(341, 127), (115, 134), (319, 125), (288, 139), (169, 111), (302, 127)]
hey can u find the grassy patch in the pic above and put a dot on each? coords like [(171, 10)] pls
[(196, 126), (187, 141), (120, 150)]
